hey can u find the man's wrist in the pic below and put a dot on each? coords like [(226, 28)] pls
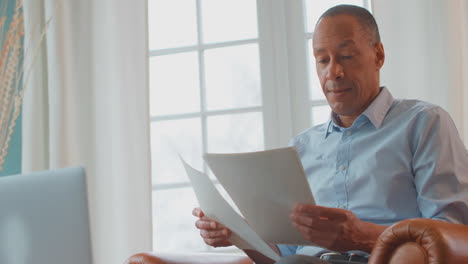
[(370, 233)]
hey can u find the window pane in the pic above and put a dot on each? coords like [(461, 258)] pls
[(168, 140), (314, 9), (174, 84), (172, 23), (233, 77), (315, 89), (235, 133), (320, 114), (226, 20), (173, 223)]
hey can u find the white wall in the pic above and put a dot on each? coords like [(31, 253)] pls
[(465, 67), (426, 52)]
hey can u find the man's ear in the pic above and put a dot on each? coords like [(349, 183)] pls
[(379, 55)]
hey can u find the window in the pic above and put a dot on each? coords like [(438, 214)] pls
[(225, 76)]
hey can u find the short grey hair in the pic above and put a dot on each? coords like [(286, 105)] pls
[(363, 16)]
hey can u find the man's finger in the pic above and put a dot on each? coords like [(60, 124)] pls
[(306, 209), (324, 239), (215, 242), (322, 232), (308, 220), (207, 224), (334, 214), (198, 212), (317, 223), (220, 233)]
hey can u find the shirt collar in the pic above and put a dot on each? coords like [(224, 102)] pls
[(378, 109), (375, 112)]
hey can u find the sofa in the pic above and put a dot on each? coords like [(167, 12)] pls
[(414, 241)]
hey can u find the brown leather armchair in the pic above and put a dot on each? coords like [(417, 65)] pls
[(420, 240), (414, 241)]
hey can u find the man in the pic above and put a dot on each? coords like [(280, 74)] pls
[(378, 160)]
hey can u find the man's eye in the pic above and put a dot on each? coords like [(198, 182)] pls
[(322, 61), (347, 57)]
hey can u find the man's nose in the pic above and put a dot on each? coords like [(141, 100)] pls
[(335, 71)]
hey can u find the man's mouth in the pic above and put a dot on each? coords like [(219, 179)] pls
[(339, 91)]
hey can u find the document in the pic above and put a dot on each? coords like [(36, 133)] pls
[(214, 206), (265, 186)]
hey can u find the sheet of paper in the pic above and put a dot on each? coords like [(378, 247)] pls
[(265, 186), (215, 207)]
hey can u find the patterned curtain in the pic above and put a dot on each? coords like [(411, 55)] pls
[(11, 84)]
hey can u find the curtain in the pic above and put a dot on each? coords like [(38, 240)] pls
[(12, 162), (426, 44), (87, 105)]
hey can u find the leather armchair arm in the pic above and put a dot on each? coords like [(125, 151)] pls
[(422, 241), (190, 258)]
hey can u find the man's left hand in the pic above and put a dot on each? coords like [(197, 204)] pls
[(335, 229)]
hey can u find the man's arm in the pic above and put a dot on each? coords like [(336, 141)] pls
[(440, 165), (335, 229)]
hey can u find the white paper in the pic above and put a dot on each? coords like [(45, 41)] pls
[(214, 206), (265, 186)]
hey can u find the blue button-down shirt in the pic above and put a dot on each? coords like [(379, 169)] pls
[(400, 159)]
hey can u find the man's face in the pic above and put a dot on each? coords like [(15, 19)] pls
[(347, 63)]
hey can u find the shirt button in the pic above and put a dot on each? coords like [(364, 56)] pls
[(342, 167), (342, 206)]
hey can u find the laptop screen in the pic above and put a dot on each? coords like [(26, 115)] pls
[(44, 218)]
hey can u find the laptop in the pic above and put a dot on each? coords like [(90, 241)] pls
[(44, 218)]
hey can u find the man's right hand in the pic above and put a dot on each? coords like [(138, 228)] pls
[(213, 233)]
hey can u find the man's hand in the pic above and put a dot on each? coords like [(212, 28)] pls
[(216, 235), (213, 233), (335, 229)]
